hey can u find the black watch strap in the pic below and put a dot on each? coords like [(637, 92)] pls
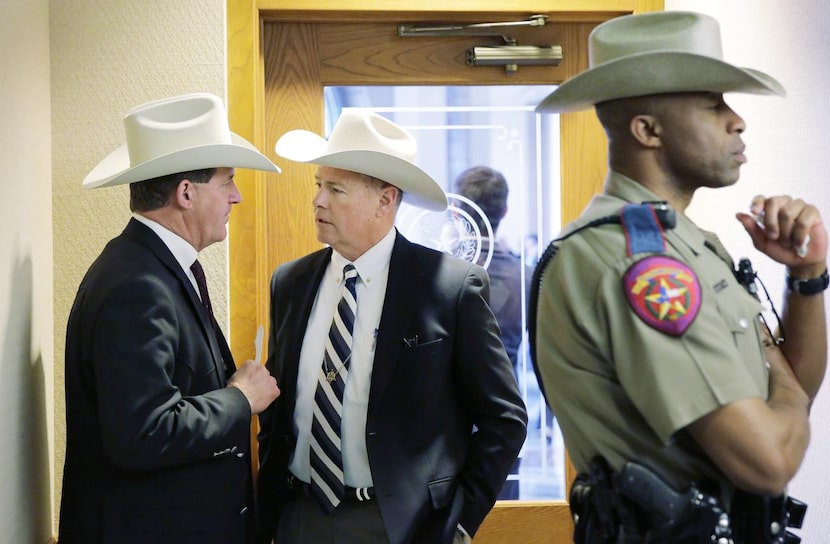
[(811, 286)]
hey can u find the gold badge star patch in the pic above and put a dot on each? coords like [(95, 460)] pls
[(663, 292)]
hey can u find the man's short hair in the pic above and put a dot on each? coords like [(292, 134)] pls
[(153, 194), (488, 189), (381, 184)]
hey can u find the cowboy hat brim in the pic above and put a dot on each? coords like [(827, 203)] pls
[(652, 73), (419, 189), (115, 169)]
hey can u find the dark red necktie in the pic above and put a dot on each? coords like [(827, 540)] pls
[(201, 281)]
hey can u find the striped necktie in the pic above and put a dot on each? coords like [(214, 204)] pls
[(327, 482)]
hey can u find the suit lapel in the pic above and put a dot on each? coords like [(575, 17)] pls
[(398, 305), (299, 294), (222, 358)]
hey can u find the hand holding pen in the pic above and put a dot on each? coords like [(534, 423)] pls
[(789, 231)]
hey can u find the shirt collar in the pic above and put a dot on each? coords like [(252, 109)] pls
[(626, 188), (623, 187), (181, 249), (370, 265)]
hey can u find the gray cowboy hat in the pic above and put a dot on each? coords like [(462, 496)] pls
[(655, 53)]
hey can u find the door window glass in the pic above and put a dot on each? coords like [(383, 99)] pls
[(458, 127)]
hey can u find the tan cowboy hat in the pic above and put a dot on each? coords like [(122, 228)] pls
[(177, 134), (655, 53), (367, 143)]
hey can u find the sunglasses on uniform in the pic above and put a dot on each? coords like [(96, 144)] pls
[(747, 277)]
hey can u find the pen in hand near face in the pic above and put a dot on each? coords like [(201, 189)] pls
[(801, 250)]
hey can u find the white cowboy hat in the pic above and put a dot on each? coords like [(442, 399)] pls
[(367, 143), (655, 53), (177, 134)]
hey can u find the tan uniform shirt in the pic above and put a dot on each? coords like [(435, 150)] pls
[(620, 387)]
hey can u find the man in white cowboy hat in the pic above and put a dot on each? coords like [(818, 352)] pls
[(399, 424), (158, 416), (649, 344)]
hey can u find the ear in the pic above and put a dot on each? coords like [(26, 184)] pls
[(386, 200), (646, 130), (184, 194)]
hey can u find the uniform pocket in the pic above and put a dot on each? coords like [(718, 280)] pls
[(744, 322)]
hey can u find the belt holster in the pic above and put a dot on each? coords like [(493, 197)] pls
[(601, 515), (635, 505)]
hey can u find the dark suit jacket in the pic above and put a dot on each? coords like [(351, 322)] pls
[(157, 447), (430, 470)]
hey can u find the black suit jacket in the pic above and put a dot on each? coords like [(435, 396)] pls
[(430, 470), (156, 447)]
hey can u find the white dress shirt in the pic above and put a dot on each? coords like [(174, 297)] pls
[(373, 273), (181, 249)]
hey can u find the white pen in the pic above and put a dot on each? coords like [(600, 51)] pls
[(258, 344)]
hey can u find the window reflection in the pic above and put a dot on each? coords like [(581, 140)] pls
[(457, 128)]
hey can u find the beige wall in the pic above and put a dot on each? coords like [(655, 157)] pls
[(106, 58), (25, 274)]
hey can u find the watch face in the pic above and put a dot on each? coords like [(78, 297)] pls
[(462, 230)]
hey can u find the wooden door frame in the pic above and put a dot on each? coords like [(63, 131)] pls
[(254, 245)]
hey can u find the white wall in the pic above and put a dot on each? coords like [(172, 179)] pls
[(789, 153), (25, 274)]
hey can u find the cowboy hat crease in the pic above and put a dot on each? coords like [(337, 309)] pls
[(655, 53), (178, 134), (367, 143)]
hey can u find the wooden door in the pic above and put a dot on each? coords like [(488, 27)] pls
[(282, 53)]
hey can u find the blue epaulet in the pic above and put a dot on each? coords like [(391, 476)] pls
[(643, 232)]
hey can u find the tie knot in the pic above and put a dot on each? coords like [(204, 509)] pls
[(349, 273), (198, 271)]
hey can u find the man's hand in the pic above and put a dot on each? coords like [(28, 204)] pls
[(789, 231), (461, 537), (792, 232), (257, 384)]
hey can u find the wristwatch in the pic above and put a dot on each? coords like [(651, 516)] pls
[(810, 286)]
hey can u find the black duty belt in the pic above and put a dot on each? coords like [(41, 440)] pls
[(636, 505)]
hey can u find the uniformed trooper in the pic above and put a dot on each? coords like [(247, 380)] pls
[(685, 416)]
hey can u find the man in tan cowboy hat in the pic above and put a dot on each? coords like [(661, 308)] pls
[(158, 416), (400, 416), (649, 343)]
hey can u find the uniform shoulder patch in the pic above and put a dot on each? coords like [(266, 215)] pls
[(663, 292)]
